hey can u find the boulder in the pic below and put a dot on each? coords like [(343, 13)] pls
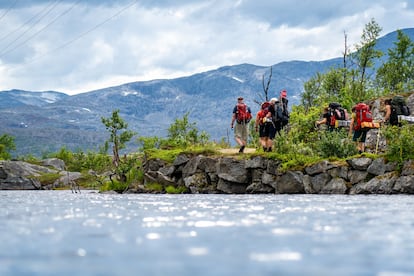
[(55, 163), (319, 181), (229, 187), (361, 163), (19, 175), (318, 168), (232, 170), (404, 185), (335, 186), (378, 185), (290, 183)]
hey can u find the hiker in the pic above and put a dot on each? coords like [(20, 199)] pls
[(242, 116), (272, 123), (387, 115), (334, 116), (325, 118), (360, 113), (284, 114), (264, 124), (394, 108)]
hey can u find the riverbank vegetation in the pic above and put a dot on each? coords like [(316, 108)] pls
[(300, 144)]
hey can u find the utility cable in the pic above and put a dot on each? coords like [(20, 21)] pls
[(32, 26), (95, 27), (86, 32), (41, 30), (8, 10)]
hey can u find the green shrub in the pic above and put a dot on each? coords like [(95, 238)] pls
[(154, 187), (176, 190), (335, 144), (400, 141), (114, 185)]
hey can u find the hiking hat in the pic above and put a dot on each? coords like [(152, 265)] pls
[(274, 100)]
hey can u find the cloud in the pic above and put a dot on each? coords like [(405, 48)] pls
[(77, 46)]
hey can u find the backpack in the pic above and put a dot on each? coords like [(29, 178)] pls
[(264, 109), (336, 113), (398, 107), (242, 114), (282, 110), (363, 118)]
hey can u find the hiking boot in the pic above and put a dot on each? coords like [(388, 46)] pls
[(241, 149)]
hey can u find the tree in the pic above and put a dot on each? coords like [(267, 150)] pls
[(397, 74), (6, 145), (348, 84), (119, 136), (184, 133), (364, 58)]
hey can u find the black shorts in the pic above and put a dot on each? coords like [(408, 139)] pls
[(360, 136), (267, 130)]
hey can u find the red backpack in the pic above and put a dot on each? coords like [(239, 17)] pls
[(243, 115), (363, 115), (264, 109)]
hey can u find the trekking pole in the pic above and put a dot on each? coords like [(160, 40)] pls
[(378, 138)]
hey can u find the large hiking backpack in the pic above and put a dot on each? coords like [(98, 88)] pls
[(363, 118), (398, 107), (336, 113), (283, 114), (264, 110), (242, 114)]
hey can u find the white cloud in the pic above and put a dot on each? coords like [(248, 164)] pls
[(97, 44)]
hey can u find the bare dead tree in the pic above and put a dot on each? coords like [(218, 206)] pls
[(345, 59), (265, 85)]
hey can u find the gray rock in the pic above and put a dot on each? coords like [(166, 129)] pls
[(259, 188), (19, 175), (408, 168), (290, 183), (231, 187), (56, 163), (318, 168), (273, 167), (232, 170), (256, 162), (335, 186), (359, 163), (319, 181), (377, 167), (269, 179), (355, 176), (196, 182), (404, 185), (378, 185), (181, 160)]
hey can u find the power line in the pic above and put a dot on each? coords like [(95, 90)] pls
[(87, 32), (95, 27), (47, 10), (9, 9)]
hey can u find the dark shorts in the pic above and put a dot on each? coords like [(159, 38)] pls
[(360, 136), (267, 130)]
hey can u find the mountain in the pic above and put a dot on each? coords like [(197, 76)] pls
[(43, 122)]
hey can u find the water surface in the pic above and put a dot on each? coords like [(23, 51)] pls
[(60, 233)]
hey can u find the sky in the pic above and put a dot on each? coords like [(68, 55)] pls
[(76, 46)]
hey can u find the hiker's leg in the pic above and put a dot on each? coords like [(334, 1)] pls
[(238, 134), (272, 133), (362, 141)]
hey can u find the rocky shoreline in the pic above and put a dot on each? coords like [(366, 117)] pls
[(360, 175), (235, 175)]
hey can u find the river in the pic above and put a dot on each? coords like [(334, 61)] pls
[(60, 233)]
